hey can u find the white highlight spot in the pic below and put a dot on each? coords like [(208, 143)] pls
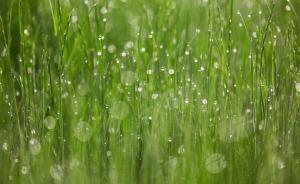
[(34, 146), (297, 86)]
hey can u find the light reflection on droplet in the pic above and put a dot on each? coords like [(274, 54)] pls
[(50, 122), (297, 86), (25, 170), (34, 146)]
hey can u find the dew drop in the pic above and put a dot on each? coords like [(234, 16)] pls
[(83, 131), (108, 153), (83, 89), (280, 164), (123, 54), (74, 19), (171, 71), (25, 170), (204, 101), (74, 163), (216, 65), (119, 110), (5, 146), (103, 10), (50, 122), (129, 45), (149, 71), (297, 86), (56, 172), (202, 68), (215, 163), (111, 48), (143, 50), (140, 89), (34, 146), (154, 96), (26, 32), (180, 150)]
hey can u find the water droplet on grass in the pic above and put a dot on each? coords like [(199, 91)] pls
[(108, 153), (297, 86), (111, 48), (215, 163), (56, 172), (149, 71), (83, 89), (103, 10), (154, 96), (50, 122), (281, 164), (5, 146), (129, 45), (140, 89), (34, 146), (24, 170), (171, 71), (119, 110), (216, 65), (143, 50), (180, 150), (204, 101), (83, 131), (74, 163), (202, 68), (123, 54), (26, 32), (74, 19)]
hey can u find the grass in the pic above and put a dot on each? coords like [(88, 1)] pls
[(156, 91)]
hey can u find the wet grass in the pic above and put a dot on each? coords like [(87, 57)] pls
[(158, 91)]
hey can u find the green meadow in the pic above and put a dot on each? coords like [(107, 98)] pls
[(150, 91)]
